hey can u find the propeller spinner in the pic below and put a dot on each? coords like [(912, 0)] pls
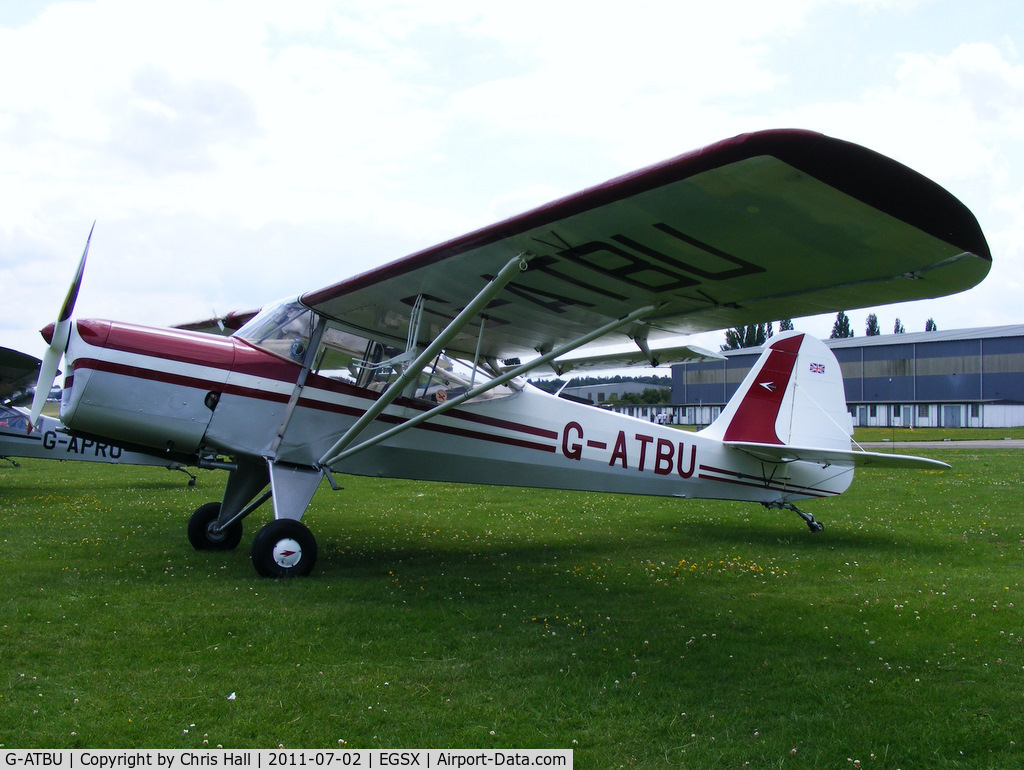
[(56, 335)]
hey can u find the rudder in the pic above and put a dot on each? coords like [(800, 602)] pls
[(792, 396)]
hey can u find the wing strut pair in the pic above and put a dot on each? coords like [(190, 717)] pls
[(342, 448)]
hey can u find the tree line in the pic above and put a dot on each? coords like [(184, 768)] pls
[(755, 335)]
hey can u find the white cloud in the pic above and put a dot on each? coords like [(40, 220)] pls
[(234, 151)]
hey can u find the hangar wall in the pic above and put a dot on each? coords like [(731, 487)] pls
[(962, 378)]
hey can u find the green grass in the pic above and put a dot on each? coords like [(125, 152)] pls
[(640, 632), (936, 434)]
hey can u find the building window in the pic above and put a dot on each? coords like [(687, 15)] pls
[(896, 412), (975, 410), (922, 410), (873, 410)]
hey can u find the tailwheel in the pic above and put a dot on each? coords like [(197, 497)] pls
[(203, 532), (284, 548), (812, 524)]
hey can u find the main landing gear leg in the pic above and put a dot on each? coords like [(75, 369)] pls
[(282, 548), (813, 524), (285, 547), (218, 526)]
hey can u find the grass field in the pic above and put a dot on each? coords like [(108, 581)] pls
[(936, 434), (640, 632)]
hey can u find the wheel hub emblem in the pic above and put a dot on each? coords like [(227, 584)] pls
[(287, 553)]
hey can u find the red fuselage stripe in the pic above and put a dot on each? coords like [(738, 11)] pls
[(238, 356), (152, 375), (449, 429), (281, 398), (745, 480)]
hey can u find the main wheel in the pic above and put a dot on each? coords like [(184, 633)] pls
[(284, 548), (202, 536)]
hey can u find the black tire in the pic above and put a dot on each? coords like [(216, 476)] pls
[(203, 539), (284, 548)]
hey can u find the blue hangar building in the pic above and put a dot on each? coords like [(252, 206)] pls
[(965, 378)]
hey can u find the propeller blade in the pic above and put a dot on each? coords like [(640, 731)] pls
[(47, 373), (57, 336), (69, 301)]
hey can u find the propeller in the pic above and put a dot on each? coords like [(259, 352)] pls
[(57, 335)]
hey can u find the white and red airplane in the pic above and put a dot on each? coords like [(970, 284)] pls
[(48, 439), (415, 369)]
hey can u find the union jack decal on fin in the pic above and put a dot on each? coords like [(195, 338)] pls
[(818, 368)]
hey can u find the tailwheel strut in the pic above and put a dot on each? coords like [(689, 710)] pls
[(812, 524)]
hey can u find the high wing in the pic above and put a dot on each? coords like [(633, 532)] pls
[(226, 324), (769, 225), (18, 371)]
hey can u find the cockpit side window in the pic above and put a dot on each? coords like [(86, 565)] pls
[(284, 329)]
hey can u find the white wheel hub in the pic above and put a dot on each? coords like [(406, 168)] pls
[(287, 552)]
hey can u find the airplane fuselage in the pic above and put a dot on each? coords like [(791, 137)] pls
[(187, 393)]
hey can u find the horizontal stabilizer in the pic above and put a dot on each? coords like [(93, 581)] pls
[(776, 453), (614, 360)]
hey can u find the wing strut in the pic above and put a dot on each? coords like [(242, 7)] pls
[(307, 363), (641, 342), (514, 266), (339, 451)]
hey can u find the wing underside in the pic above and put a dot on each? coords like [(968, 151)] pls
[(777, 224), (18, 372)]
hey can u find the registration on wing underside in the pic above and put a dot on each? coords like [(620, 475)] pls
[(754, 240)]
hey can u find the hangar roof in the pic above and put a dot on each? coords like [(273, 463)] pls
[(984, 332)]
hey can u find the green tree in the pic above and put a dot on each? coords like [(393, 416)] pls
[(841, 328), (749, 336), (872, 326), (786, 325), (898, 328), (648, 396), (931, 326), (733, 338)]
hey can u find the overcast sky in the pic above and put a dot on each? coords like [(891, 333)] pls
[(234, 153)]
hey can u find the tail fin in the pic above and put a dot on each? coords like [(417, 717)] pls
[(793, 396)]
